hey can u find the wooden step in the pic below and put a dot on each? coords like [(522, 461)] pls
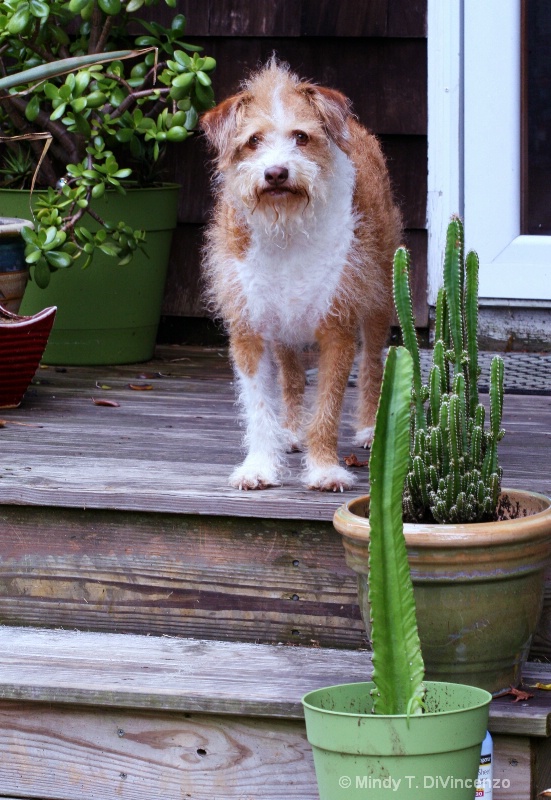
[(120, 519), (91, 715), (254, 580)]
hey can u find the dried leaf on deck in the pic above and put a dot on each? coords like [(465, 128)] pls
[(545, 686), (140, 387), (103, 386), (352, 461), (518, 694), (102, 402)]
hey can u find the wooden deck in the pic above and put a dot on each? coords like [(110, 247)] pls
[(170, 448), (118, 519)]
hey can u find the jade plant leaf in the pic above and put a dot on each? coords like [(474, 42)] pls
[(398, 668)]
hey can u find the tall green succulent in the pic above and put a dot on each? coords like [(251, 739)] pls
[(454, 474), (398, 668)]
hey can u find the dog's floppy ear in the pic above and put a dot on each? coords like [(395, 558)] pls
[(333, 109), (220, 124)]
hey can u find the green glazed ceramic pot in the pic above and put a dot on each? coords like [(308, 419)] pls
[(108, 314), (478, 588)]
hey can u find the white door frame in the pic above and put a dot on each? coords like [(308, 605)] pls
[(474, 149)]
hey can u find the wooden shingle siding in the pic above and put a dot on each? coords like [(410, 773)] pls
[(374, 51)]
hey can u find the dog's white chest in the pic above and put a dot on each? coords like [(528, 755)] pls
[(289, 290)]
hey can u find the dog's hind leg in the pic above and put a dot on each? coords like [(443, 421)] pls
[(337, 349), (293, 382), (370, 374), (256, 377)]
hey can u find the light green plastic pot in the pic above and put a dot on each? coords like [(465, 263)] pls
[(358, 754), (108, 314)]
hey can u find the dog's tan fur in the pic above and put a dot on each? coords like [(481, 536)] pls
[(271, 102)]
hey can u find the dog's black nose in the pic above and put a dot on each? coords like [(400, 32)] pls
[(276, 176)]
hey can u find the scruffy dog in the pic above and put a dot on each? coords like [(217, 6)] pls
[(299, 251)]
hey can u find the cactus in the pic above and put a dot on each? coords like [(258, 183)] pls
[(398, 668), (454, 473)]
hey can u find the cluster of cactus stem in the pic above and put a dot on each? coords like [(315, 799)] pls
[(453, 475)]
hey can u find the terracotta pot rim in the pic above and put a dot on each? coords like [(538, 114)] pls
[(477, 534)]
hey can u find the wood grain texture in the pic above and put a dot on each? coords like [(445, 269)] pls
[(513, 768), (87, 754), (229, 678), (210, 577), (382, 77), (121, 518), (170, 449), (293, 18), (105, 715), (169, 674), (79, 753)]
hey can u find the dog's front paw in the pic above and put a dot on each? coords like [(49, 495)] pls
[(364, 437), (254, 473), (329, 479)]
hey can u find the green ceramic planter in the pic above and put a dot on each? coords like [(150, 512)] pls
[(358, 754), (108, 314), (478, 588)]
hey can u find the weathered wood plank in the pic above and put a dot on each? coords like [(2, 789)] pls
[(169, 674), (252, 580), (229, 678), (86, 754), (513, 768), (78, 753), (171, 449)]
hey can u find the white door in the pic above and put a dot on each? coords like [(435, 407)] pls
[(475, 147)]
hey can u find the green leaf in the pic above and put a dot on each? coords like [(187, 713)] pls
[(58, 259), (397, 662), (176, 134), (110, 7), (203, 78), (78, 104), (60, 67), (82, 79), (33, 108), (20, 20), (33, 257), (108, 250), (39, 9), (76, 6), (134, 5), (204, 94), (42, 274)]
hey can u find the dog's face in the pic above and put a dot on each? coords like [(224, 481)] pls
[(275, 144)]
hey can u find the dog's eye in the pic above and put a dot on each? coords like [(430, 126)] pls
[(254, 141), (301, 138)]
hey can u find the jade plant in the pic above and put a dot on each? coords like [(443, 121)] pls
[(454, 473), (110, 120), (398, 668)]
